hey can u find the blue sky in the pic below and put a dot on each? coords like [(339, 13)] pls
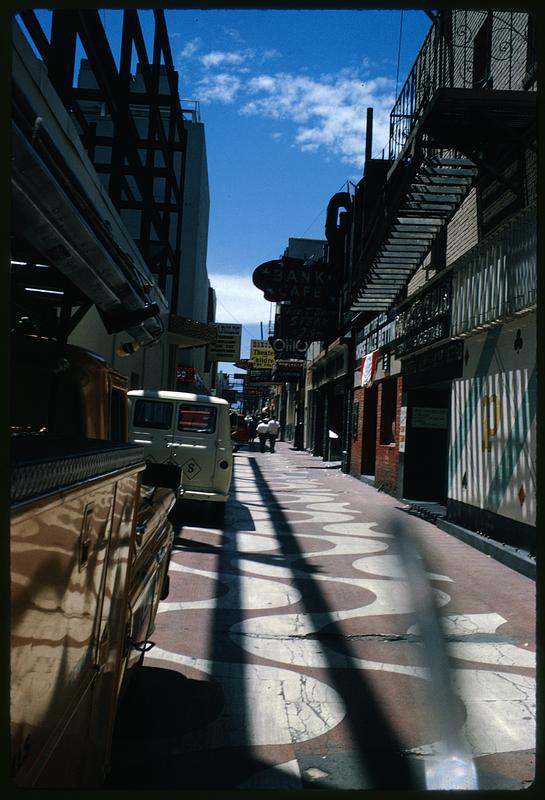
[(283, 95)]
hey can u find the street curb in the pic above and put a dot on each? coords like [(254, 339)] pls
[(501, 552)]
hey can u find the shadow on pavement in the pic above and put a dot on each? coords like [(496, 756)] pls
[(162, 707)]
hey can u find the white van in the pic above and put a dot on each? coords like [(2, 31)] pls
[(186, 430)]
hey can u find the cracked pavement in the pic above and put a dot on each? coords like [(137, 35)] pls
[(288, 654)]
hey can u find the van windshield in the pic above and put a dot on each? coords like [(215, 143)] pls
[(152, 414), (197, 419)]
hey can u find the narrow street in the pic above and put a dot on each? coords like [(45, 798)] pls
[(286, 654)]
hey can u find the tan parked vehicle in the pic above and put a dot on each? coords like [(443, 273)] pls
[(90, 548)]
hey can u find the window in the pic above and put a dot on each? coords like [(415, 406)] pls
[(197, 419), (388, 412), (153, 414), (531, 54), (482, 55)]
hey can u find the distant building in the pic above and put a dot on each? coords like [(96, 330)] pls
[(168, 220)]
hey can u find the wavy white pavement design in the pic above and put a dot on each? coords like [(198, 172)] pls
[(270, 704), (243, 591), (263, 705)]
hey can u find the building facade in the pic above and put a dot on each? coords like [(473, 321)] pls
[(443, 282), (150, 156)]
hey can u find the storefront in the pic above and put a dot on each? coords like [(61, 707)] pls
[(376, 406), (328, 397)]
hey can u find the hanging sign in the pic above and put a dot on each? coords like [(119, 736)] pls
[(368, 369), (296, 280), (227, 345), (261, 354)]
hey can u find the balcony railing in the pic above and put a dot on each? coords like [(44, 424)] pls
[(464, 49), (497, 281)]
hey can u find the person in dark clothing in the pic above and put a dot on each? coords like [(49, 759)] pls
[(252, 430), (263, 433)]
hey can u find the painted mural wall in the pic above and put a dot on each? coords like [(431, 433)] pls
[(492, 459)]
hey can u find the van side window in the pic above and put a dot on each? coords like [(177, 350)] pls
[(152, 414), (197, 419)]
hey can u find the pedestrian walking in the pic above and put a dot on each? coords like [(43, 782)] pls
[(273, 430), (263, 433), (252, 429)]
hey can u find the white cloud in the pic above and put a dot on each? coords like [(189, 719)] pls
[(239, 300), (330, 112), (222, 87), (190, 48), (217, 58), (327, 112)]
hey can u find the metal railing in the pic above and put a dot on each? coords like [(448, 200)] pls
[(464, 49)]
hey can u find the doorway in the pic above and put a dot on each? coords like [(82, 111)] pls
[(425, 470), (369, 431)]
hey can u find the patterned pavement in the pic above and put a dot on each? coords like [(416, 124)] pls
[(287, 654)]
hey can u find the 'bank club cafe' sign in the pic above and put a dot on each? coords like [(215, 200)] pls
[(368, 368), (308, 323), (261, 354), (227, 345), (294, 280)]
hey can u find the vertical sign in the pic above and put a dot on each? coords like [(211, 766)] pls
[(402, 428), (262, 354)]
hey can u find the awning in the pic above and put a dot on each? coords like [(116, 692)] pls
[(185, 332)]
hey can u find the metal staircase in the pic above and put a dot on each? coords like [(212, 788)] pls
[(436, 190)]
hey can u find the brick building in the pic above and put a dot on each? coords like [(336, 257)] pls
[(442, 282)]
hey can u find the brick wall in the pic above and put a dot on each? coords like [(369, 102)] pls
[(387, 461), (463, 233)]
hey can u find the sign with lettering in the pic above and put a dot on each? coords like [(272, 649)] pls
[(290, 348), (309, 323), (227, 345), (259, 376), (402, 428), (261, 354), (288, 370), (294, 280), (429, 417)]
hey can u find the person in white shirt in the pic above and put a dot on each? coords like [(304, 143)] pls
[(273, 430), (263, 432)]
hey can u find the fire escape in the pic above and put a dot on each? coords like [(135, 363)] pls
[(444, 130)]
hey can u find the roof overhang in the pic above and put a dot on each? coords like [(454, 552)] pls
[(60, 208), (184, 332)]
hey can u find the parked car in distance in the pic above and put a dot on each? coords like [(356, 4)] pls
[(239, 430)]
